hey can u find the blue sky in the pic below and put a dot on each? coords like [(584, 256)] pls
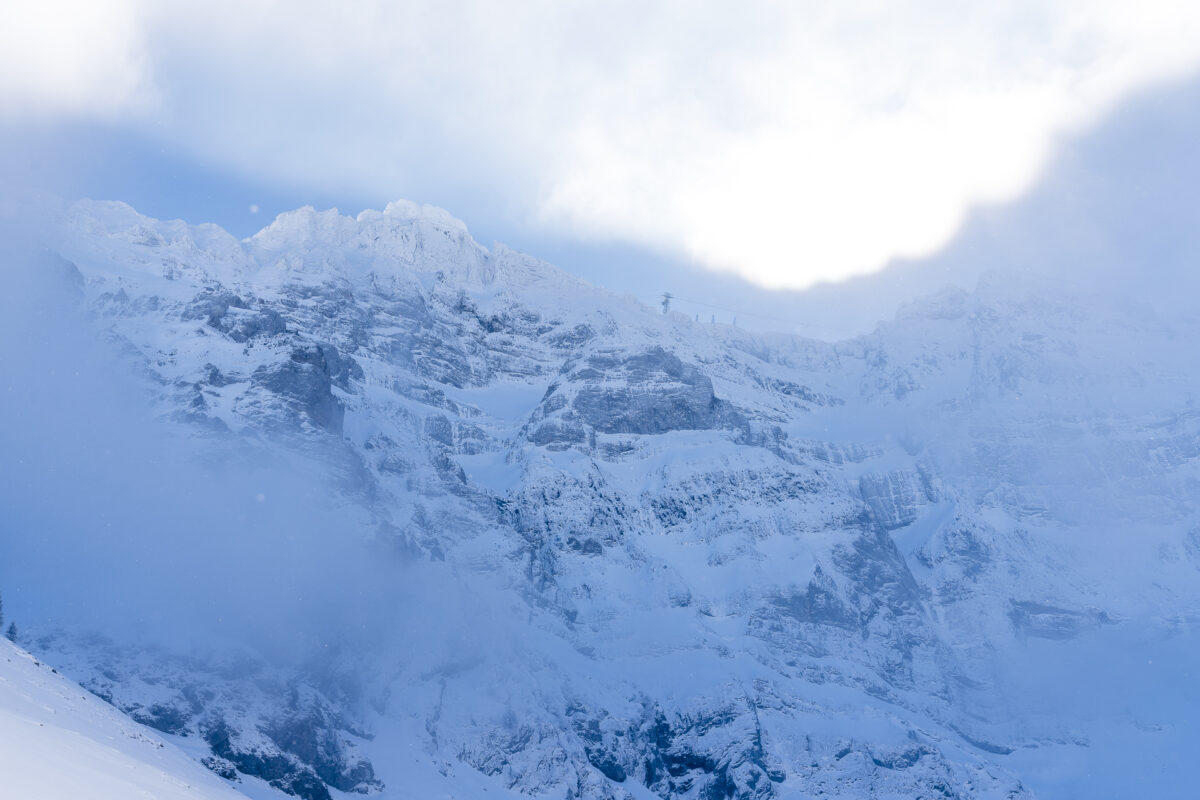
[(727, 157)]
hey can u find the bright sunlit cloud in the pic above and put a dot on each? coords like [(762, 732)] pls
[(789, 142), (73, 58)]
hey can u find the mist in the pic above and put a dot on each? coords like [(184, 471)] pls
[(118, 521)]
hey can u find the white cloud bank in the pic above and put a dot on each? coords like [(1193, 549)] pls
[(790, 142)]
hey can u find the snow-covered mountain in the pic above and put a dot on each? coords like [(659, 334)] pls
[(640, 556)]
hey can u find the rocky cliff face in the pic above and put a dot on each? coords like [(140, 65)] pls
[(690, 561)]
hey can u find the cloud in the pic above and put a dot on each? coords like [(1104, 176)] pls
[(791, 143), (73, 58)]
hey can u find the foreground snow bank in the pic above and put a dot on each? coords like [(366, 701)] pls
[(58, 742)]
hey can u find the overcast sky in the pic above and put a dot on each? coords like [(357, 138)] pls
[(788, 143)]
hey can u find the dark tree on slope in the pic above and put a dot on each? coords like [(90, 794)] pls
[(12, 632)]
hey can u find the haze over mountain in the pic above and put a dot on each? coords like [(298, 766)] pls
[(353, 505), (414, 515)]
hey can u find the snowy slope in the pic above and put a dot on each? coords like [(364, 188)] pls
[(57, 741), (623, 554)]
